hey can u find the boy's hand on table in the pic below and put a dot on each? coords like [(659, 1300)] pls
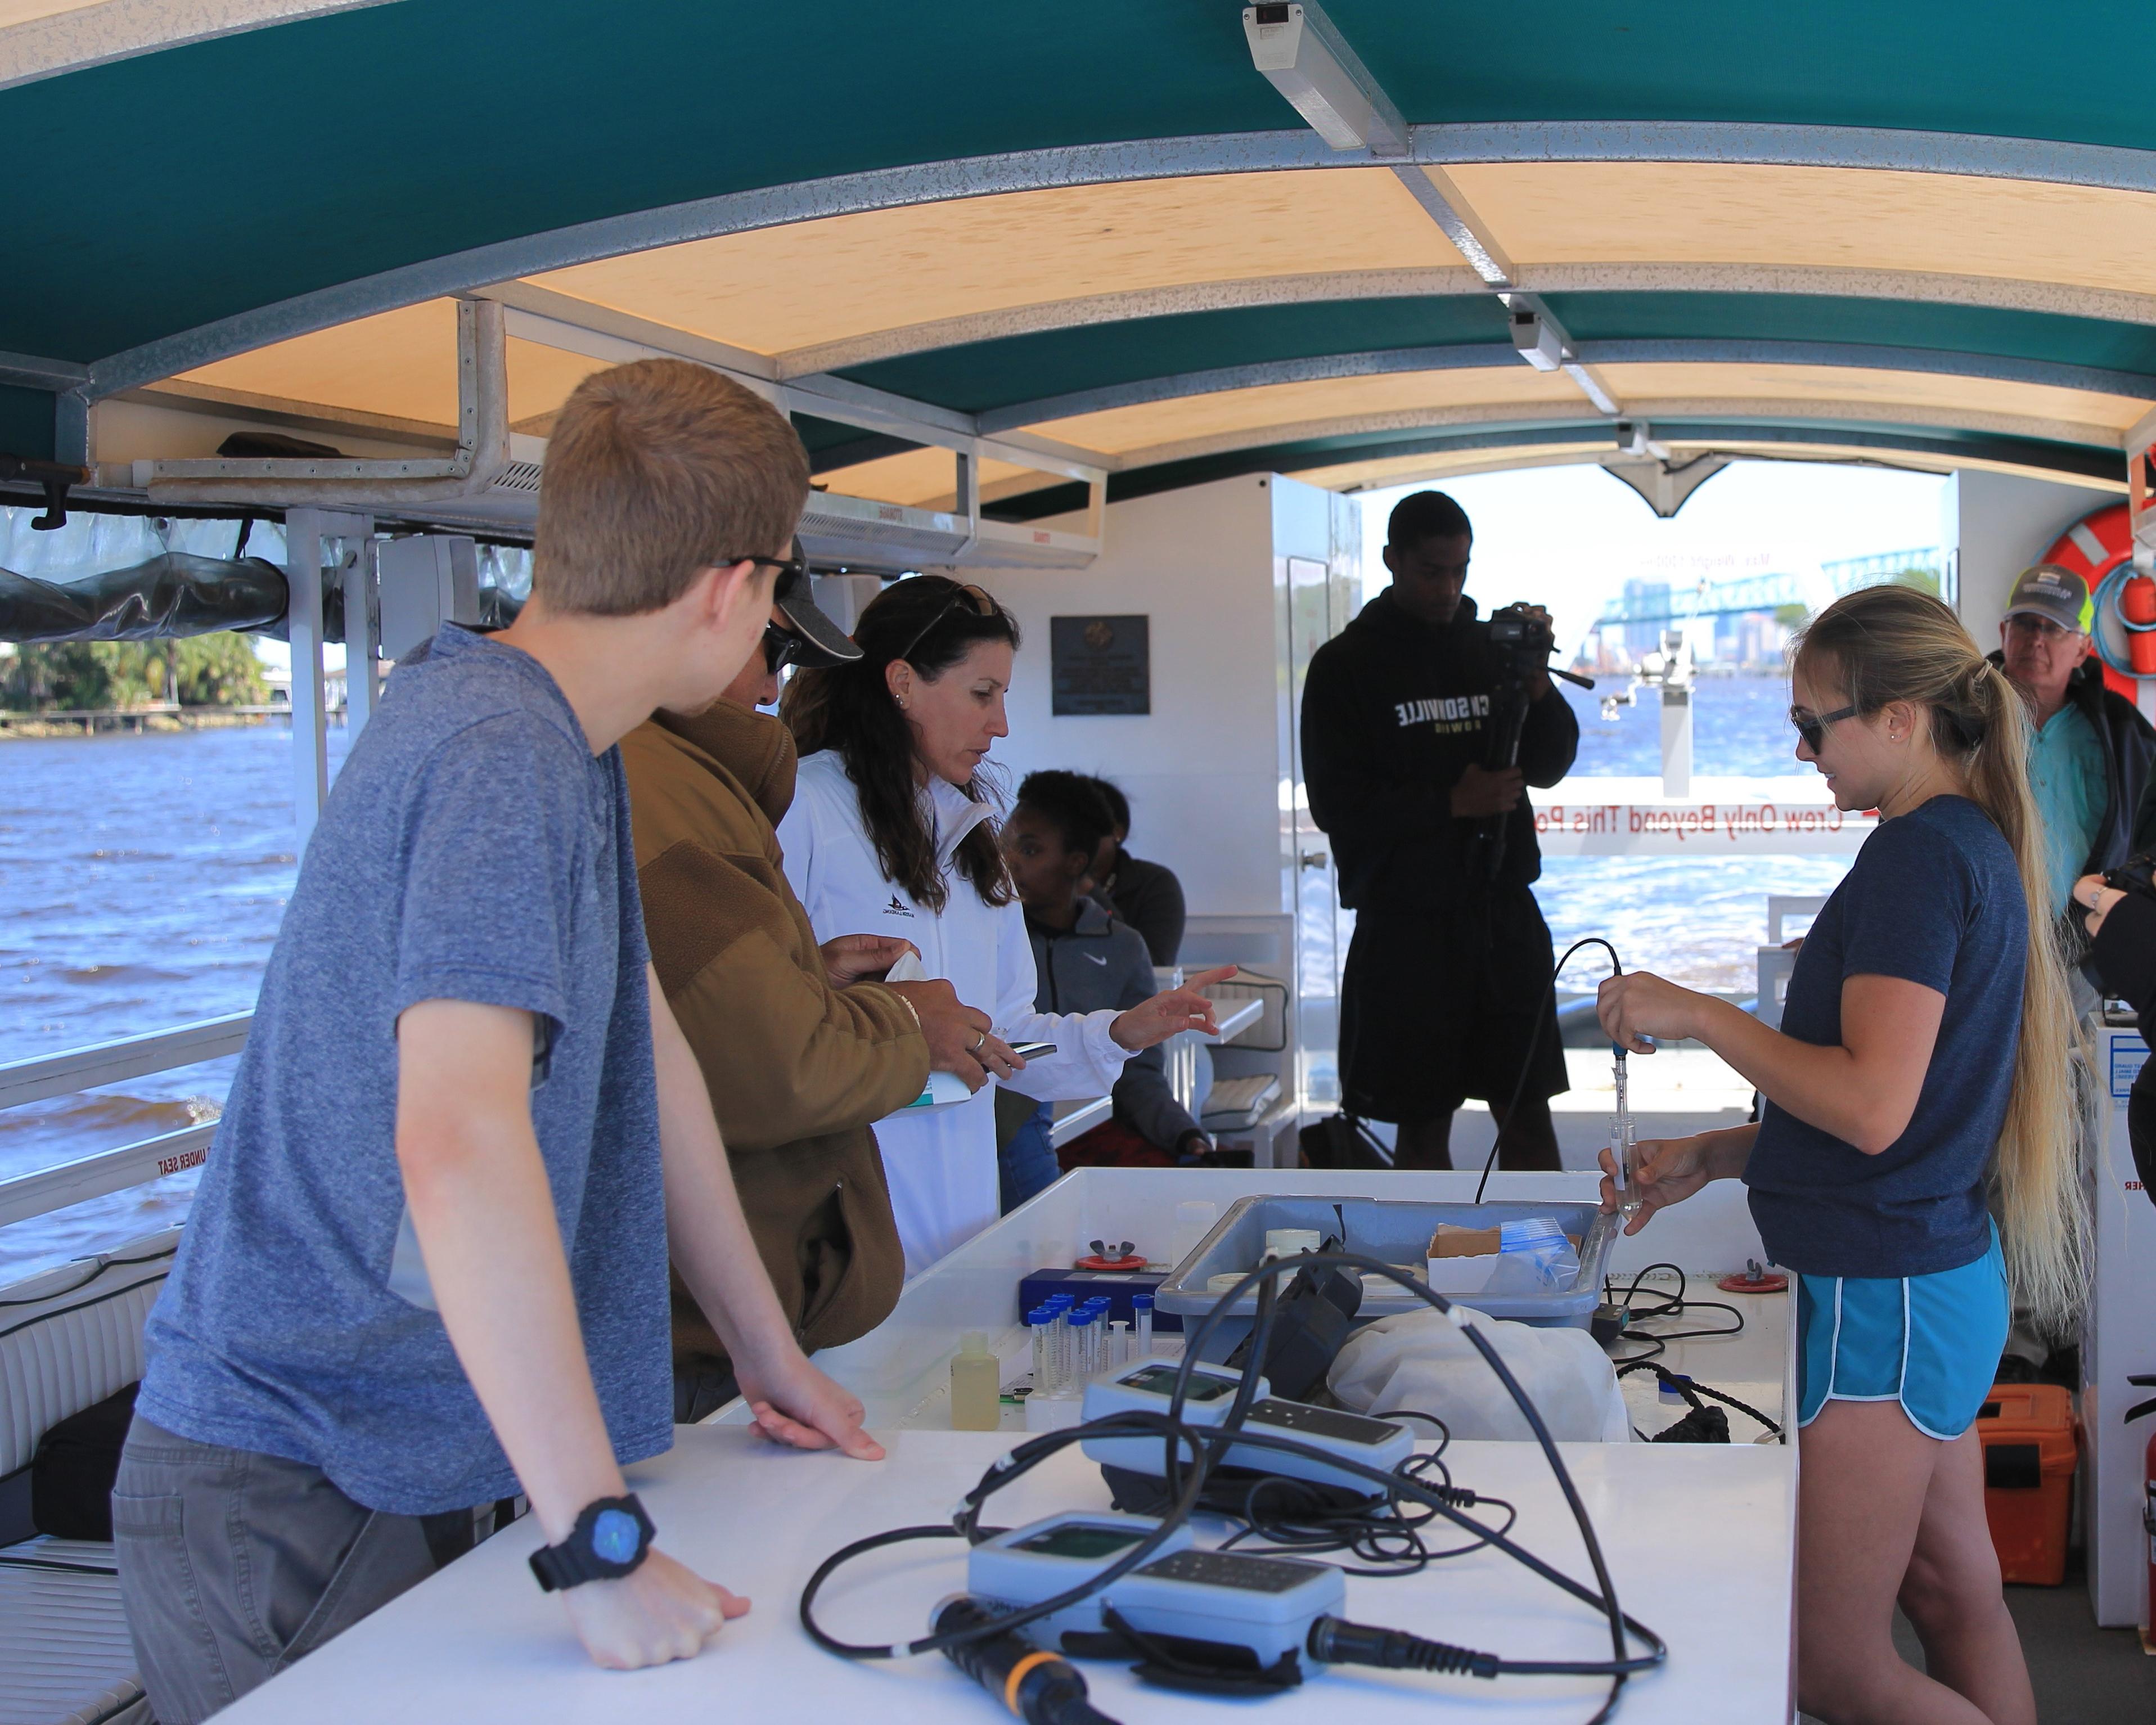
[(661, 1612), (794, 1404)]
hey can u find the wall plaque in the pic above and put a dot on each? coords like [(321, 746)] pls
[(1099, 665)]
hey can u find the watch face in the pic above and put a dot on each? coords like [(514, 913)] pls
[(615, 1536)]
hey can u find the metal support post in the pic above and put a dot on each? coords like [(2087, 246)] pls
[(307, 536), (304, 533), (362, 636)]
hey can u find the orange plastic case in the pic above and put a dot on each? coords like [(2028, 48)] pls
[(2031, 1445)]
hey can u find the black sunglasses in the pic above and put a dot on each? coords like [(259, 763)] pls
[(980, 598), (791, 570), (1812, 727), (781, 646)]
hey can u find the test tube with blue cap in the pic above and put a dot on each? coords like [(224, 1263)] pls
[(1085, 1346), (1141, 1326), (1039, 1324)]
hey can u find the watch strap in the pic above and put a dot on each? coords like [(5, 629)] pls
[(611, 1539)]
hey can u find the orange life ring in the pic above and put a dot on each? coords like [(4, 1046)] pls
[(2093, 547)]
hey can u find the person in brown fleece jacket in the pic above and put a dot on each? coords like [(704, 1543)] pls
[(800, 1051)]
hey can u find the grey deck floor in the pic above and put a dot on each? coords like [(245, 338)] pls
[(2082, 1674)]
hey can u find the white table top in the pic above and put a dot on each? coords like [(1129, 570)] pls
[(1700, 1552)]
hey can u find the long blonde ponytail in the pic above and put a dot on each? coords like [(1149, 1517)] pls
[(1887, 644)]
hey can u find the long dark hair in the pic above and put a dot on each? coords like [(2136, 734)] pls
[(932, 623)]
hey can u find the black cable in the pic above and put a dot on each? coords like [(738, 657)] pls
[(1691, 1389), (1207, 1443), (1534, 1039), (100, 1265), (1669, 1305)]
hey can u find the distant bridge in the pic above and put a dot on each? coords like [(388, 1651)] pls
[(1847, 574), (1707, 598)]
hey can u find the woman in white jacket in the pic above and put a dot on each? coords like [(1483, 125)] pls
[(891, 832)]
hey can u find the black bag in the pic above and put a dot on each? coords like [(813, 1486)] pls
[(71, 1475), (1341, 1141)]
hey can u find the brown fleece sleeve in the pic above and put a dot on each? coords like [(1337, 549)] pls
[(785, 1056)]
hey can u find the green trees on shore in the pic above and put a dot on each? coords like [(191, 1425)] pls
[(201, 670)]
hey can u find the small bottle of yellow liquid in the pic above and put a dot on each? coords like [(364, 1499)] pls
[(976, 1385)]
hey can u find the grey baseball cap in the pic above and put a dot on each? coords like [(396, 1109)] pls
[(2046, 590), (818, 640)]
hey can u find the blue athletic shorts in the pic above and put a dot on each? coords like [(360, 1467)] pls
[(1931, 1343)]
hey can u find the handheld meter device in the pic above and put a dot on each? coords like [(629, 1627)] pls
[(1026, 1565), (1149, 1386), (1236, 1600)]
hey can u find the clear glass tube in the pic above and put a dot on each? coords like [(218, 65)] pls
[(1084, 1349), (1141, 1326), (1059, 1347), (1119, 1345), (1623, 1148), (1038, 1321)]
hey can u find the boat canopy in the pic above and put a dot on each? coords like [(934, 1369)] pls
[(1092, 243)]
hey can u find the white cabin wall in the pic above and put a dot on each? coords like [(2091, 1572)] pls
[(1997, 525), (1203, 771)]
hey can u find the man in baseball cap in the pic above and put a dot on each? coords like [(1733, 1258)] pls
[(2089, 758)]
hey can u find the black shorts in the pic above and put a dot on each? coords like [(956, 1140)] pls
[(1435, 1010)]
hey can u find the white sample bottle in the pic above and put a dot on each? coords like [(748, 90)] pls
[(976, 1385)]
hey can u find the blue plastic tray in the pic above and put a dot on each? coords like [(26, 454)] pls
[(1397, 1231)]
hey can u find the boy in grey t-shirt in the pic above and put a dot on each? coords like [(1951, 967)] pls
[(427, 1266)]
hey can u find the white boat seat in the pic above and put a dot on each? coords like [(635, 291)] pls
[(69, 1338), (64, 1656), (73, 1336)]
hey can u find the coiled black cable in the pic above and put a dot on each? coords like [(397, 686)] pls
[(1534, 1038), (1206, 1444)]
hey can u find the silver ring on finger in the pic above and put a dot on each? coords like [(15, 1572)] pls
[(980, 1042)]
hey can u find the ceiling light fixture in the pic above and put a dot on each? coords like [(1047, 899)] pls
[(1307, 60)]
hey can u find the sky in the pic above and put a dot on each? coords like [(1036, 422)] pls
[(1569, 538)]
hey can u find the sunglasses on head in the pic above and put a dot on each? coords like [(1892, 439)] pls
[(979, 598), (1812, 727)]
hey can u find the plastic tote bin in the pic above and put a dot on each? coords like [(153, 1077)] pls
[(2029, 1452), (1395, 1231)]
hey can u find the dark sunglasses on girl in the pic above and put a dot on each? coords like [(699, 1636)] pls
[(1812, 727)]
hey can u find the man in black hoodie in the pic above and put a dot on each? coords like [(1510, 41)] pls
[(1443, 997)]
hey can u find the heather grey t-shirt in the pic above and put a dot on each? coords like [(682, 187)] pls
[(472, 850)]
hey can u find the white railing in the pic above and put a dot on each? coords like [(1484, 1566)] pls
[(78, 1069)]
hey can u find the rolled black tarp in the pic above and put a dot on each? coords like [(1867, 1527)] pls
[(172, 594)]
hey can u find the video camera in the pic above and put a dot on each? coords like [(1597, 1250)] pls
[(1521, 643)]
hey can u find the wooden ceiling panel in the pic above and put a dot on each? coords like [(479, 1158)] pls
[(1121, 430), (927, 478), (1919, 392), (403, 363), (816, 282), (1683, 213)]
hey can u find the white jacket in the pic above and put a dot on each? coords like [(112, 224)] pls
[(941, 1163)]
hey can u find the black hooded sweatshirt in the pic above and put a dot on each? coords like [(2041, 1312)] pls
[(1393, 712)]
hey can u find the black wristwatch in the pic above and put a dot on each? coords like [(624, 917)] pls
[(609, 1541)]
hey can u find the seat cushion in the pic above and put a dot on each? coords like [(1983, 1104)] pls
[(65, 1654)]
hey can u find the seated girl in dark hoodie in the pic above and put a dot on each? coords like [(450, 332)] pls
[(1086, 959)]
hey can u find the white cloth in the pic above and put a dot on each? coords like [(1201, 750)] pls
[(1420, 1360), (941, 1163)]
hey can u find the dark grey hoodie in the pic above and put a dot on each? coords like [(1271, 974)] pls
[(1103, 962)]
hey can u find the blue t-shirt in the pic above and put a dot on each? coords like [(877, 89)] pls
[(472, 850), (1934, 897)]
